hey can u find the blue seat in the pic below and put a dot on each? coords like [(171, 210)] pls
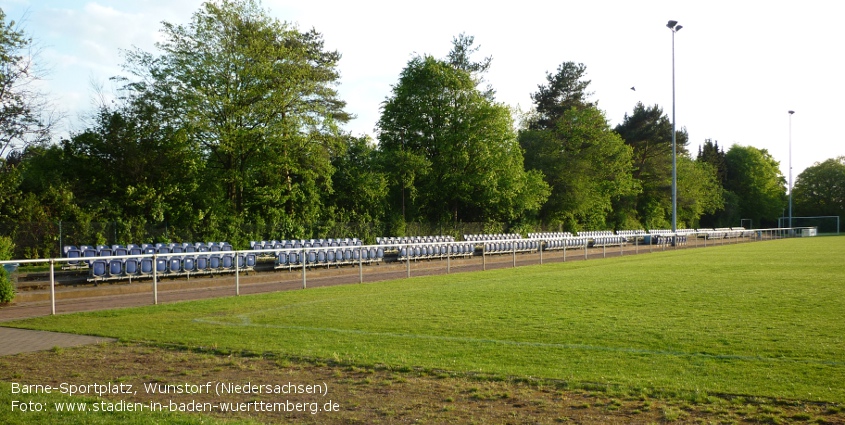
[(202, 263), (189, 264), (227, 262), (146, 266), (98, 268), (115, 268), (89, 254), (131, 266), (174, 264), (214, 262), (161, 265), (73, 253)]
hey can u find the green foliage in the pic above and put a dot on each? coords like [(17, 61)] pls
[(586, 165), (565, 89), (648, 131), (699, 191), (7, 248), (24, 112), (256, 97), (7, 288), (450, 150), (359, 187), (754, 176), (820, 189)]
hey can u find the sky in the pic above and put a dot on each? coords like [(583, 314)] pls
[(740, 66)]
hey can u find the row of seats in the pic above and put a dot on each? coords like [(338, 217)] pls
[(87, 253), (303, 243), (571, 242), (726, 233), (631, 233), (608, 240), (595, 233), (550, 235), (508, 246), (492, 237), (330, 256), (426, 250), (406, 240), (169, 265)]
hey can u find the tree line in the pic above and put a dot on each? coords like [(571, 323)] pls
[(233, 130)]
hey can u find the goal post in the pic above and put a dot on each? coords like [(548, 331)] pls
[(826, 224)]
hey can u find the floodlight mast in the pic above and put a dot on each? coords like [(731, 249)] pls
[(673, 25), (790, 168)]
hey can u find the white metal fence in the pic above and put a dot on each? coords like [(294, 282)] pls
[(554, 246)]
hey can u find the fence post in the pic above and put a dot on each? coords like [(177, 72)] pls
[(237, 275), (448, 259), (585, 248), (483, 256), (155, 279), (540, 244), (513, 249), (636, 244), (604, 250), (360, 266), (564, 250), (304, 260), (408, 261), (53, 286)]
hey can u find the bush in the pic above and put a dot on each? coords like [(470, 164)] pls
[(7, 248), (7, 290)]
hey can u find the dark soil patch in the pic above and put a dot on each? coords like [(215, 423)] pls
[(381, 395)]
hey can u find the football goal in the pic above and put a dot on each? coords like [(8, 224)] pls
[(826, 224)]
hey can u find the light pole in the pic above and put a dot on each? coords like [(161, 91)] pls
[(790, 168), (673, 25)]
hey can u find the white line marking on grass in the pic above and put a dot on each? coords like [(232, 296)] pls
[(246, 322)]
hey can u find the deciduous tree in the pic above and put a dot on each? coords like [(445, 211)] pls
[(820, 189), (451, 150), (258, 97)]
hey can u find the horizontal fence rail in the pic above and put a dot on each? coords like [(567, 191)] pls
[(303, 258)]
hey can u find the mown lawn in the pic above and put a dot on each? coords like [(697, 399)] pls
[(762, 319)]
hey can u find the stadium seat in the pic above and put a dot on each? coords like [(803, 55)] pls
[(98, 269), (202, 263), (131, 266), (189, 264), (115, 268)]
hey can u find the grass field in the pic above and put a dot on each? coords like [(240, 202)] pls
[(759, 319)]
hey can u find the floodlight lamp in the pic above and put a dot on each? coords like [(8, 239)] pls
[(791, 112), (678, 28), (672, 24)]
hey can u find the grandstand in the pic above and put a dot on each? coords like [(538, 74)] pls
[(138, 261), (134, 261)]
